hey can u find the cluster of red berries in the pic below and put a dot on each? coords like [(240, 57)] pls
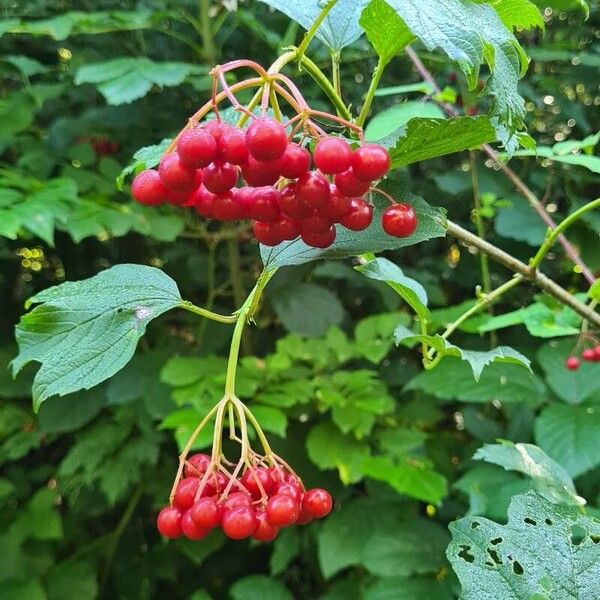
[(280, 193), (257, 505), (589, 355)]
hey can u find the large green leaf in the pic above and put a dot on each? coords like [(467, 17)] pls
[(545, 552), (388, 125), (518, 221), (83, 332)]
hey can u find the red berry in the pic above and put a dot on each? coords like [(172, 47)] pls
[(315, 224), (266, 234), (175, 175), (350, 185), (257, 173), (216, 128), (147, 188), (278, 475), (219, 177), (239, 523), (263, 205), (178, 198), (332, 155), (251, 478), (288, 489), (312, 189), (572, 363), (322, 239), (399, 220), (337, 206), (206, 513), (296, 161), (266, 139), (236, 499), (265, 531), (197, 148), (225, 207), (168, 522), (290, 205), (232, 147), (589, 355), (370, 162), (317, 502), (597, 353), (186, 492), (214, 484), (286, 229), (359, 216), (282, 510), (196, 465), (203, 201), (190, 529)]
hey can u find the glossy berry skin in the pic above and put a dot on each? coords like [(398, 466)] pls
[(312, 189), (286, 229), (186, 492), (337, 206), (588, 355), (219, 177), (239, 523), (215, 483), (399, 220), (319, 240), (597, 353), (287, 489), (282, 510), (147, 188), (350, 185), (359, 216), (175, 175), (236, 499), (225, 207), (263, 204), (251, 478), (206, 513), (266, 139), (290, 205), (266, 234), (370, 162), (572, 363), (296, 161), (217, 128), (316, 224), (332, 155), (190, 529), (265, 531), (203, 202), (168, 522), (196, 465), (257, 173), (317, 502), (197, 148), (232, 147)]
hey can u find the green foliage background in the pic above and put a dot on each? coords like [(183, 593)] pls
[(404, 451)]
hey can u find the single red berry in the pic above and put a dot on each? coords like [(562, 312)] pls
[(315, 224), (236, 499), (197, 148), (305, 517), (251, 479), (175, 175), (207, 513), (186, 492), (219, 177), (179, 198), (190, 529), (282, 510), (232, 147), (597, 353), (332, 155), (239, 523), (589, 355), (286, 229), (215, 483), (266, 139), (203, 201), (296, 161), (265, 531), (337, 206), (147, 188), (216, 128), (225, 207), (350, 185), (572, 363), (312, 189), (278, 475), (290, 205), (317, 502), (472, 111), (399, 220), (288, 489), (359, 216), (266, 233), (256, 173), (322, 239), (264, 204), (196, 465), (168, 522), (370, 162)]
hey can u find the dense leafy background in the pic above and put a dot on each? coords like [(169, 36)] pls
[(405, 451)]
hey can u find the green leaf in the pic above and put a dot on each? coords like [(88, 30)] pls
[(564, 5), (518, 14), (569, 434), (590, 162), (594, 291), (387, 126), (123, 80), (285, 548), (477, 360), (410, 588), (538, 554), (68, 413), (375, 335), (373, 239), (340, 27), (548, 477), (390, 40), (73, 580), (307, 309), (259, 586), (271, 419), (102, 318), (423, 138), (145, 158), (382, 269), (519, 222)]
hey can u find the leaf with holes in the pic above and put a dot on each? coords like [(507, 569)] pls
[(85, 331), (546, 551)]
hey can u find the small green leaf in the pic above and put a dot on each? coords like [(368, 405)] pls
[(271, 419), (145, 158), (519, 14), (388, 125), (259, 586), (594, 291)]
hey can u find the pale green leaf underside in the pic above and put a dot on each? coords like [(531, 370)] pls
[(590, 162)]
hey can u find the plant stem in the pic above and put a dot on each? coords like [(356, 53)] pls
[(208, 314), (259, 432), (553, 234), (208, 42), (364, 112), (335, 73), (308, 36)]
